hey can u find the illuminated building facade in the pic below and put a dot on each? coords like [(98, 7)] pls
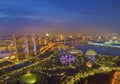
[(25, 46)]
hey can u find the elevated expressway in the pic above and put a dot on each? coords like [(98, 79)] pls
[(10, 72), (68, 79)]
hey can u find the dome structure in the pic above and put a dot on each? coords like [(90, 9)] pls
[(90, 52), (75, 51), (28, 78)]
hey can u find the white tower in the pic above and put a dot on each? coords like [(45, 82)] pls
[(27, 47)]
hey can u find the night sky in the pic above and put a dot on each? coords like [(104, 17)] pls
[(36, 16)]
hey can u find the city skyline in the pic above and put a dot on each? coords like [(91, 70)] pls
[(36, 16), (59, 41)]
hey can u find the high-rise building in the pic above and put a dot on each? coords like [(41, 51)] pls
[(25, 46)]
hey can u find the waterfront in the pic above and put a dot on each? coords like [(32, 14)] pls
[(59, 42), (99, 49)]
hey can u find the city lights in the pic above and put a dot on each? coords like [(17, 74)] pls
[(59, 42)]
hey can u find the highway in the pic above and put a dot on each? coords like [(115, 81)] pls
[(15, 67), (23, 65)]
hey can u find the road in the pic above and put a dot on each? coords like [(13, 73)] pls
[(10, 71)]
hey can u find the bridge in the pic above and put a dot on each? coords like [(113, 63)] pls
[(66, 79), (47, 47), (11, 71)]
